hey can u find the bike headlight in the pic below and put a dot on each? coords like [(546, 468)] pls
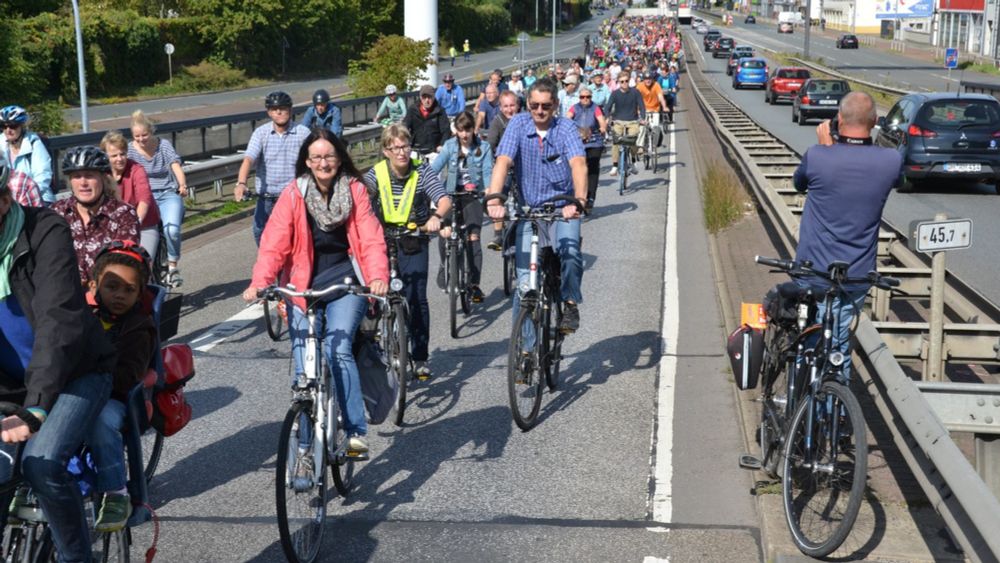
[(396, 284), (837, 358)]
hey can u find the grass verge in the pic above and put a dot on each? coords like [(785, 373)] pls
[(226, 209), (725, 200)]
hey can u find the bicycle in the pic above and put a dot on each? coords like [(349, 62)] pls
[(394, 319), (808, 412), (535, 350), (625, 144), (312, 438), (457, 254), (651, 141)]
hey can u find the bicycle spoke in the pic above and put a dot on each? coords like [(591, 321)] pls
[(524, 376), (300, 487)]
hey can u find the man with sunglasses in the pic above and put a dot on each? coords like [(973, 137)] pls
[(548, 159), (627, 114), (25, 151)]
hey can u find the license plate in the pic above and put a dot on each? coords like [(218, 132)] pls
[(794, 84), (828, 102), (962, 167)]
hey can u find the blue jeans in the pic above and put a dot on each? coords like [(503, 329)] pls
[(261, 214), (564, 236), (46, 454), (171, 206), (108, 448), (413, 272), (337, 322), (844, 312)]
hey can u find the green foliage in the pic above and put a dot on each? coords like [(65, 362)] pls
[(28, 8), (393, 59), (47, 118), (723, 197), (484, 24), (205, 76)]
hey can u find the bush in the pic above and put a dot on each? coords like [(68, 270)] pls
[(393, 59), (47, 118), (724, 198), (483, 24), (205, 76)]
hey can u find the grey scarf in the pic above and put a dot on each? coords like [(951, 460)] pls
[(332, 214)]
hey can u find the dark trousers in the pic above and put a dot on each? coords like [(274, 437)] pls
[(593, 170), (265, 204), (413, 272)]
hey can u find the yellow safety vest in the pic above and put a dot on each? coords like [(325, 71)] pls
[(395, 209)]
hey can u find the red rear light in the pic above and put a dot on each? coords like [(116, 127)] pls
[(996, 135), (916, 131), (806, 100)]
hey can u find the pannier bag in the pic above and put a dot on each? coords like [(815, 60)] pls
[(171, 412), (745, 347), (379, 387)]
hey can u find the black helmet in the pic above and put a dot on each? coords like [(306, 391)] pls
[(278, 99), (321, 97), (85, 158)]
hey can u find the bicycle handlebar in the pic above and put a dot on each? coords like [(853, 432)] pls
[(801, 269), (538, 212), (14, 409), (271, 293)]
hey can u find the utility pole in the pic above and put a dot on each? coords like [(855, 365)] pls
[(420, 22), (85, 120), (554, 33), (808, 18)]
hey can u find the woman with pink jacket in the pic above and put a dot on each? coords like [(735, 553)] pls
[(322, 224)]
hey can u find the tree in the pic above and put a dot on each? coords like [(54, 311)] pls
[(393, 59)]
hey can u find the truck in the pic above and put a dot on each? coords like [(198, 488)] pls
[(794, 18)]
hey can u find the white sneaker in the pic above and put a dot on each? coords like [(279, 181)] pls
[(614, 171), (174, 278)]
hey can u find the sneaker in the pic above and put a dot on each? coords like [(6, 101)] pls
[(421, 370), (477, 294), (496, 243), (114, 513), (20, 499), (570, 319), (304, 472), (174, 279), (356, 445), (440, 278), (613, 171)]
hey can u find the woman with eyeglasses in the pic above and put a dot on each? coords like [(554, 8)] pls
[(25, 151), (322, 220), (593, 127)]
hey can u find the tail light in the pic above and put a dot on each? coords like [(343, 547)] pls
[(995, 135), (806, 100), (916, 131)]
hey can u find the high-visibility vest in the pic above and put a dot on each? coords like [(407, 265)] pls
[(396, 209)]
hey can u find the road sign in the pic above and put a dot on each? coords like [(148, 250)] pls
[(951, 58), (168, 48), (523, 37), (935, 236)]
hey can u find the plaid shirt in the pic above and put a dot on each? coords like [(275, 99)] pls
[(113, 220), (25, 189), (275, 156), (542, 166)]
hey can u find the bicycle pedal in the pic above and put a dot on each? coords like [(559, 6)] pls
[(356, 456), (750, 462)]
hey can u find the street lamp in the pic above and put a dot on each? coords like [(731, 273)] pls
[(80, 68), (554, 33)]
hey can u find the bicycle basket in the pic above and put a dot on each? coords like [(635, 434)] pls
[(745, 347)]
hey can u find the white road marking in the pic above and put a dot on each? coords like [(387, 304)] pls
[(220, 332), (663, 439), (651, 559), (945, 77)]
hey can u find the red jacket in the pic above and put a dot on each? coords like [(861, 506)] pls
[(287, 244), (134, 187)]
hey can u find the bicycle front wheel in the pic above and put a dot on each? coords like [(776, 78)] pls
[(623, 167), (399, 355), (465, 296), (826, 465), (524, 373), (272, 320), (300, 486), (161, 266), (508, 275), (453, 296)]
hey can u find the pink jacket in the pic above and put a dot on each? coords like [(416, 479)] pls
[(287, 245)]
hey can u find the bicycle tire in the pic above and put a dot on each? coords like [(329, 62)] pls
[(301, 535), (554, 346), (154, 452), (272, 320), (343, 467), (833, 515), (453, 291), (509, 274), (524, 387), (40, 549), (774, 373), (464, 295), (399, 351), (622, 170), (161, 266), (659, 136), (115, 546)]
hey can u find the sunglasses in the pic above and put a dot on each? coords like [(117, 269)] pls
[(623, 81), (545, 107), (585, 97), (11, 125)]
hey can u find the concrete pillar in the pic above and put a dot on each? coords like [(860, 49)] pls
[(420, 21)]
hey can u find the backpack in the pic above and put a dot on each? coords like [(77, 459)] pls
[(170, 411)]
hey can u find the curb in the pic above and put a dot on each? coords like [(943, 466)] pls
[(209, 226)]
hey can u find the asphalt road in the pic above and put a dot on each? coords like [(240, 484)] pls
[(634, 458), (958, 200)]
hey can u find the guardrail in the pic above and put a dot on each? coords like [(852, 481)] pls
[(971, 87), (954, 487)]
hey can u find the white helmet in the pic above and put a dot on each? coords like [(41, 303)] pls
[(390, 89)]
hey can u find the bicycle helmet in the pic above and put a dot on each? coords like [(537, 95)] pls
[(85, 158), (277, 99), (14, 114), (319, 97), (390, 89)]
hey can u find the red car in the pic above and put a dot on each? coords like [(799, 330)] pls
[(784, 83)]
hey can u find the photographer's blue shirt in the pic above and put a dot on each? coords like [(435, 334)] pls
[(16, 339), (847, 186)]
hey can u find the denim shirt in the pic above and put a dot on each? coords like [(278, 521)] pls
[(480, 167)]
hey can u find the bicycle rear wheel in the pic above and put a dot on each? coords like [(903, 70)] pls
[(399, 355), (524, 373), (453, 259), (342, 467), (825, 470), (273, 320), (300, 487), (152, 447)]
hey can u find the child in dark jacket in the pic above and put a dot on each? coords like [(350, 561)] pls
[(118, 283)]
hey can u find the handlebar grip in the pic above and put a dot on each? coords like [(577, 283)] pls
[(500, 196), (568, 199), (775, 262), (14, 409)]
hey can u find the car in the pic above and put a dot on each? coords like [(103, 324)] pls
[(750, 70), (702, 29), (737, 54), (711, 36), (785, 27), (944, 136), (750, 19), (784, 83), (847, 41), (723, 47), (818, 97)]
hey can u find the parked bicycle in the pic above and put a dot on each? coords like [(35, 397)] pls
[(312, 438), (535, 349), (457, 257), (812, 431)]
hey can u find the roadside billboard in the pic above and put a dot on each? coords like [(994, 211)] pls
[(902, 9)]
